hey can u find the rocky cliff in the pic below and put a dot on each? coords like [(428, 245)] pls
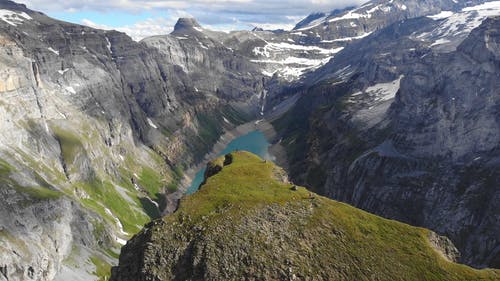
[(246, 223), (405, 124), (95, 129)]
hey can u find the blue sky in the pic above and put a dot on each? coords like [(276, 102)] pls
[(141, 18)]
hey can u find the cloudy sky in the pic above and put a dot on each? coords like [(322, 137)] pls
[(141, 18)]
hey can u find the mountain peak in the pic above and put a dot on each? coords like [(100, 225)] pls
[(186, 24)]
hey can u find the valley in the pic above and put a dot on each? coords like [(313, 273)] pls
[(391, 107)]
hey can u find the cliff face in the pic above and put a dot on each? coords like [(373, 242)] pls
[(245, 223), (95, 129), (411, 133)]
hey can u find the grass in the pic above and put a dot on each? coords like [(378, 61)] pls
[(249, 185), (38, 193), (104, 194), (70, 144), (322, 238), (151, 181), (5, 168), (102, 268)]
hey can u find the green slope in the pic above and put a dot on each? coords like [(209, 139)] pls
[(247, 223)]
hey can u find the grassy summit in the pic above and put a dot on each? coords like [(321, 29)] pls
[(247, 223)]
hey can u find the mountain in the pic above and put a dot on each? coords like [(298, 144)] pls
[(96, 131), (396, 113), (309, 19), (404, 124), (248, 222)]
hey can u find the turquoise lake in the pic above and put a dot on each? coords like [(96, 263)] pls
[(254, 142)]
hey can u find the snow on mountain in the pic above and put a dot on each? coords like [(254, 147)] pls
[(13, 18), (453, 27), (292, 60)]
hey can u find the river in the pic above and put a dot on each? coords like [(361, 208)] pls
[(254, 141)]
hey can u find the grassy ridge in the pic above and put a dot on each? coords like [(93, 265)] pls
[(244, 222)]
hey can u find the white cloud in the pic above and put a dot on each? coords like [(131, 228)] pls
[(269, 7), (141, 29), (222, 15)]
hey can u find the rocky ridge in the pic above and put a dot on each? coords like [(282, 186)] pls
[(246, 223)]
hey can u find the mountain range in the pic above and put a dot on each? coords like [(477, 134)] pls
[(391, 107)]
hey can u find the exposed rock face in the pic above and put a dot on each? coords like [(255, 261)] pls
[(412, 135), (94, 129), (40, 233), (444, 246), (246, 224)]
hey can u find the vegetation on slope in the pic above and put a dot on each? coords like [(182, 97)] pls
[(246, 221)]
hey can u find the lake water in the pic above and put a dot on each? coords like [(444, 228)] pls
[(254, 142)]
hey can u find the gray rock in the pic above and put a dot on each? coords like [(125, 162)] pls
[(425, 153)]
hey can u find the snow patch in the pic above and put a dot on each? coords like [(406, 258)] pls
[(268, 73), (491, 6), (293, 61), (266, 50), (347, 39), (385, 91), (440, 41), (119, 225), (380, 92), (290, 60), (70, 89), (455, 27), (108, 45), (63, 71), (150, 122), (442, 15), (203, 46), (354, 15), (13, 18), (53, 51), (294, 67)]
